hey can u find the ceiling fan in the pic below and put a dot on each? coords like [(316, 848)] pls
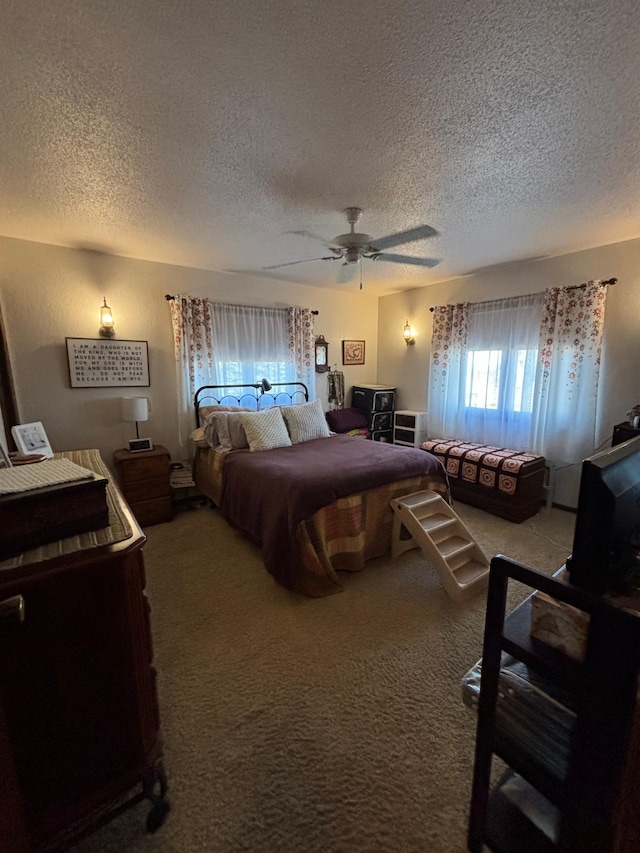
[(352, 247)]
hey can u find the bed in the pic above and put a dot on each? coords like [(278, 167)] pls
[(315, 507)]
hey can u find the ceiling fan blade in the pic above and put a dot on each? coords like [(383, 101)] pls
[(410, 236), (407, 259), (307, 261), (313, 236)]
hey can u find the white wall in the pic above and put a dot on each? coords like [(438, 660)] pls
[(48, 293), (407, 367)]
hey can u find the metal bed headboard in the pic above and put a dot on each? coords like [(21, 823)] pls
[(259, 395)]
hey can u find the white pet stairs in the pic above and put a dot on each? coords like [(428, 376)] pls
[(425, 520)]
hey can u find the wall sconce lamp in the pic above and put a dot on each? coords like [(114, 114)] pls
[(407, 334), (106, 329)]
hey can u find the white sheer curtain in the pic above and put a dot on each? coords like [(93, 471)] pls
[(250, 343), (223, 344), (520, 372), (502, 353)]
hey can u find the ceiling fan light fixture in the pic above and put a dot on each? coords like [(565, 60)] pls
[(353, 246)]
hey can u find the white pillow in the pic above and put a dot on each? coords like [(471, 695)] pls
[(211, 429), (265, 430), (306, 422), (223, 429), (205, 411), (231, 434)]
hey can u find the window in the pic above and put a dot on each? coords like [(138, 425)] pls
[(520, 372), (485, 369), (232, 345), (501, 380)]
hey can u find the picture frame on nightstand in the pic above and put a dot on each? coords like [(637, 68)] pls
[(31, 438)]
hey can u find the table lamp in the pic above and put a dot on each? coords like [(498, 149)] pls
[(137, 409)]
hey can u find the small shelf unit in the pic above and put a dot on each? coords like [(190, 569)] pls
[(409, 427), (591, 806)]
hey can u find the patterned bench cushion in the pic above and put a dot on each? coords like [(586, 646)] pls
[(493, 467)]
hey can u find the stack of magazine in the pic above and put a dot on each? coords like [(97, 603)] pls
[(181, 478)]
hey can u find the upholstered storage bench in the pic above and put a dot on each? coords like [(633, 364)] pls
[(501, 481)]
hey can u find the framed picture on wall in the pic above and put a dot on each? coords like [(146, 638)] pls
[(353, 352), (112, 363), (31, 439)]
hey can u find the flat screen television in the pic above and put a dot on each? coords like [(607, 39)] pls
[(606, 544)]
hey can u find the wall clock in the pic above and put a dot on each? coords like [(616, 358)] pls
[(322, 354)]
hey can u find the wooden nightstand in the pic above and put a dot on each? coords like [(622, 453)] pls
[(145, 483), (623, 432)]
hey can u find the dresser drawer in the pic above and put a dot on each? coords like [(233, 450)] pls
[(145, 468), (408, 436), (148, 490), (153, 512)]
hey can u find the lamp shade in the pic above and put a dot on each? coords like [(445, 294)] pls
[(135, 409)]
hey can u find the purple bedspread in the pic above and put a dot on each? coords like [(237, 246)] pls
[(266, 494)]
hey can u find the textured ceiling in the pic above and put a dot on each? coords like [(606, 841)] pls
[(200, 132)]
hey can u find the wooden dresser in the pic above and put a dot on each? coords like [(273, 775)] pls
[(145, 479), (79, 721)]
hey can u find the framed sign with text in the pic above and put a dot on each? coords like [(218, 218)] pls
[(107, 363)]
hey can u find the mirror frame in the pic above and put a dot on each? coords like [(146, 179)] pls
[(321, 344)]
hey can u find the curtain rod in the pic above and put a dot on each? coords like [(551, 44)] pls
[(572, 287), (607, 281), (168, 296)]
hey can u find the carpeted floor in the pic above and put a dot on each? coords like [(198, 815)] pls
[(297, 725)]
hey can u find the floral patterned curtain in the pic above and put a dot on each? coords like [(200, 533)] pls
[(447, 368), (302, 346), (193, 346), (564, 419)]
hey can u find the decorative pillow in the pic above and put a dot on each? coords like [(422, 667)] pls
[(198, 438), (265, 430), (306, 421), (205, 411), (211, 425), (231, 434), (344, 420), (218, 433)]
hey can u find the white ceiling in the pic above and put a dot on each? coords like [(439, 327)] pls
[(200, 132)]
